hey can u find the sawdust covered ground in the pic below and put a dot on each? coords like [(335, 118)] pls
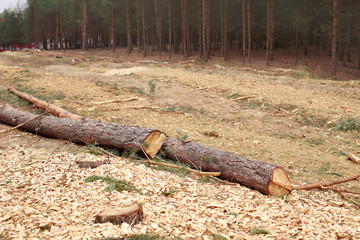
[(287, 119)]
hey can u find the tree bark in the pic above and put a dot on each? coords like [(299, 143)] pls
[(268, 34), (128, 27), (334, 37), (348, 43), (208, 29), (244, 31), (144, 29), (112, 26), (204, 29), (249, 31), (225, 29), (125, 138), (138, 25), (266, 178), (170, 29), (84, 28), (271, 30)]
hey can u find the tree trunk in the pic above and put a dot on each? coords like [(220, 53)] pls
[(61, 32), (35, 32), (159, 27), (144, 29), (84, 27), (272, 30), (296, 40), (208, 29), (348, 43), (170, 29), (204, 29), (334, 37), (268, 34), (264, 177), (125, 138), (306, 30), (244, 31), (138, 25), (57, 27), (249, 31), (128, 27), (222, 28), (112, 26), (225, 29)]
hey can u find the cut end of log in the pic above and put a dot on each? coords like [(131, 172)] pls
[(280, 183), (355, 159), (131, 215), (153, 143)]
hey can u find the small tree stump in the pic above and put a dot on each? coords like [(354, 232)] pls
[(131, 215)]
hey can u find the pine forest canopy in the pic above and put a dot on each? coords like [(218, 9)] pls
[(185, 27)]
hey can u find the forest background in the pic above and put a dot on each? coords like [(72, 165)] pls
[(224, 28)]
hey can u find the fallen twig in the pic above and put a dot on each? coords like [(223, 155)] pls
[(328, 184), (186, 62), (119, 101), (178, 167), (242, 98), (6, 131)]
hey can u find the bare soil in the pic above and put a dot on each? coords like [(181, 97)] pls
[(290, 119)]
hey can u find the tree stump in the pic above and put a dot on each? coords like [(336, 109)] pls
[(131, 215)]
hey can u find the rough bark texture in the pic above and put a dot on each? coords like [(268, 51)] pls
[(130, 215), (264, 177), (334, 38), (126, 138)]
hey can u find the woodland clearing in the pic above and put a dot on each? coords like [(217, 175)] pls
[(279, 114)]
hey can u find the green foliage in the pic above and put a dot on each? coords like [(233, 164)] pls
[(323, 168), (259, 230), (145, 237), (347, 124), (152, 86), (217, 237), (315, 141), (11, 99), (114, 184), (308, 119)]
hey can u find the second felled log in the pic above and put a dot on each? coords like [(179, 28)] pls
[(265, 177), (126, 138)]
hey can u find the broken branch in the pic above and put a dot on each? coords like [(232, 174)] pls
[(328, 184)]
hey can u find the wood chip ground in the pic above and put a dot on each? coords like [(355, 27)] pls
[(44, 196)]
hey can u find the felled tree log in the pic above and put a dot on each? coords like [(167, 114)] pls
[(265, 177), (131, 215), (104, 134), (48, 107)]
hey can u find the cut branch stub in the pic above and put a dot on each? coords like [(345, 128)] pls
[(265, 177), (126, 138), (131, 215)]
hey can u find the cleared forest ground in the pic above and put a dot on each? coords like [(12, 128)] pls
[(287, 118)]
